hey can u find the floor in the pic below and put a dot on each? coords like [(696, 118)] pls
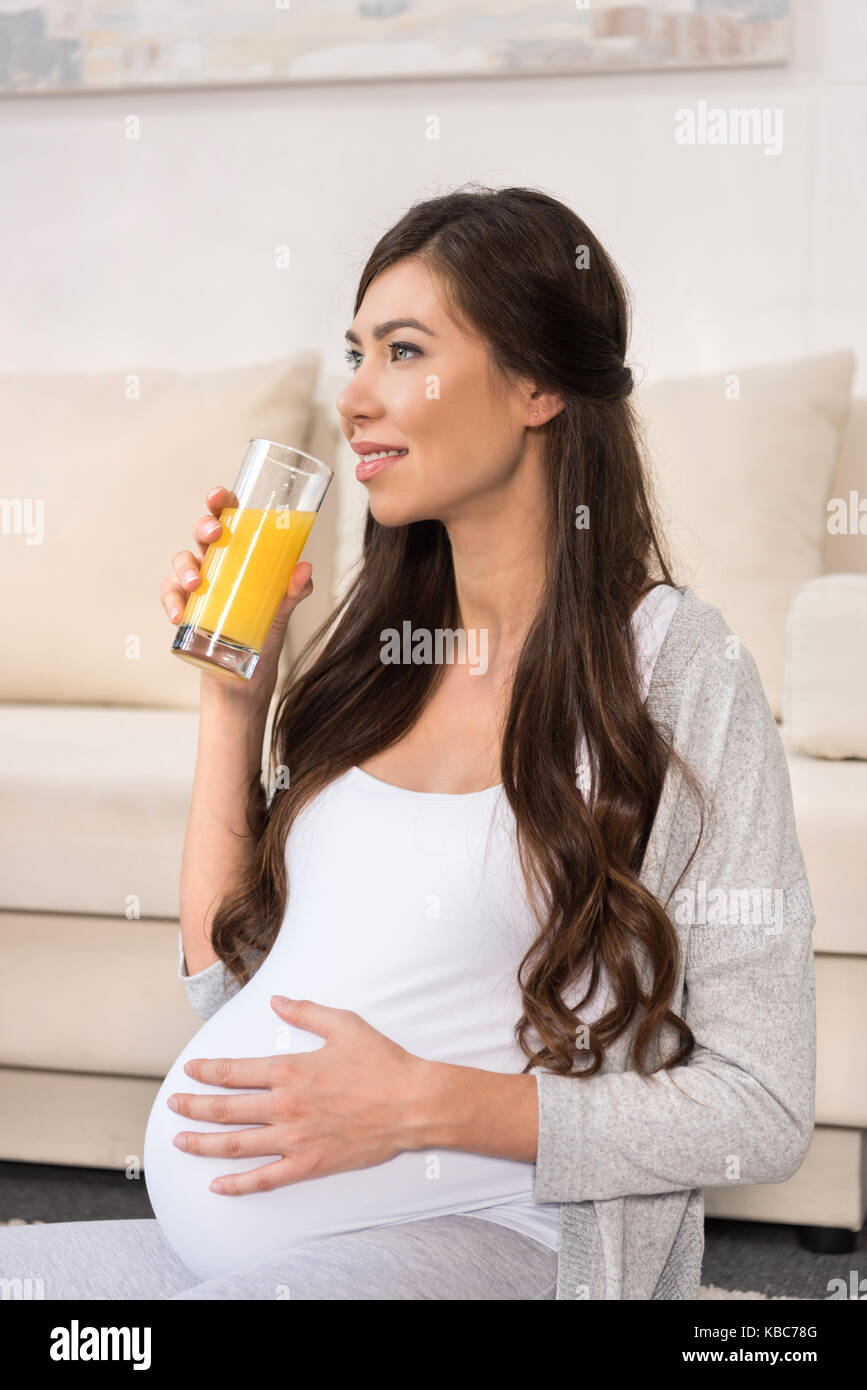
[(740, 1258)]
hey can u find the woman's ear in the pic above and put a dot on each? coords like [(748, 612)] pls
[(543, 406)]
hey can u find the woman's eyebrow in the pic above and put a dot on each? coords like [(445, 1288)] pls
[(388, 327)]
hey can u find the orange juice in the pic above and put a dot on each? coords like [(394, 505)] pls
[(246, 572)]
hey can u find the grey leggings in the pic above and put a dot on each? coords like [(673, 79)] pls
[(440, 1257)]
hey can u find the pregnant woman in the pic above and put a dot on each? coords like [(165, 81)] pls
[(524, 1027)]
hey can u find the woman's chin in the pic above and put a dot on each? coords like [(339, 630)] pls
[(396, 511)]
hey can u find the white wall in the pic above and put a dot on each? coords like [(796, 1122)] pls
[(116, 252)]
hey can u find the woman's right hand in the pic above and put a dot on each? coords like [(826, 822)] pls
[(186, 578)]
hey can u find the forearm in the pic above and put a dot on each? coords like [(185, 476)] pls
[(480, 1112), (218, 843)]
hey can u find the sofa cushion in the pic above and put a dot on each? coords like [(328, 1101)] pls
[(105, 474), (829, 1188), (743, 463), (94, 803), (845, 542), (91, 994), (63, 1117), (825, 683), (841, 1080), (830, 801)]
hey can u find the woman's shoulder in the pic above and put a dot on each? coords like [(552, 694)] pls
[(708, 694), (702, 662)]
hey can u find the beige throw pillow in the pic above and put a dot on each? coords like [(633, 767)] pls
[(742, 464), (104, 475)]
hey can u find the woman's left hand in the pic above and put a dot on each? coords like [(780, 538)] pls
[(350, 1104)]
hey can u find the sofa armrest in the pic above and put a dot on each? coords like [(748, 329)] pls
[(825, 676)]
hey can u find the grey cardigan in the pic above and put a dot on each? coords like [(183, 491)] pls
[(628, 1158)]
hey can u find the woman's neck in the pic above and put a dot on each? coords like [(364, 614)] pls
[(500, 545)]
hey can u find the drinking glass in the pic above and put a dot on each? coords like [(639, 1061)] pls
[(246, 571)]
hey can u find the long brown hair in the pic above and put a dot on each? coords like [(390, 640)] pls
[(532, 278)]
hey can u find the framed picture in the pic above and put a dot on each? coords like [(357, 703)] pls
[(87, 46)]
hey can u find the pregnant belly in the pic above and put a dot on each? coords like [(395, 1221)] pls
[(213, 1234)]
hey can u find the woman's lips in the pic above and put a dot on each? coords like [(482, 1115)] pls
[(364, 471)]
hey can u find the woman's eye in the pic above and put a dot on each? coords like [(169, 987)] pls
[(352, 354), (404, 347)]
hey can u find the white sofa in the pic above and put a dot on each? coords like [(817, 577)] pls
[(95, 784)]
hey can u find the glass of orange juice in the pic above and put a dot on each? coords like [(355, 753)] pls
[(246, 571)]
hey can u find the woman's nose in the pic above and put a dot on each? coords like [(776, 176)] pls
[(357, 402)]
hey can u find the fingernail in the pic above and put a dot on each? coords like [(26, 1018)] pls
[(190, 577), (175, 613), (172, 1102), (211, 528), (179, 1141)]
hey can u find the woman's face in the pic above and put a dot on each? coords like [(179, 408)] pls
[(429, 389)]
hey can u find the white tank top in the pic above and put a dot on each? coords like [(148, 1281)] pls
[(409, 908)]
